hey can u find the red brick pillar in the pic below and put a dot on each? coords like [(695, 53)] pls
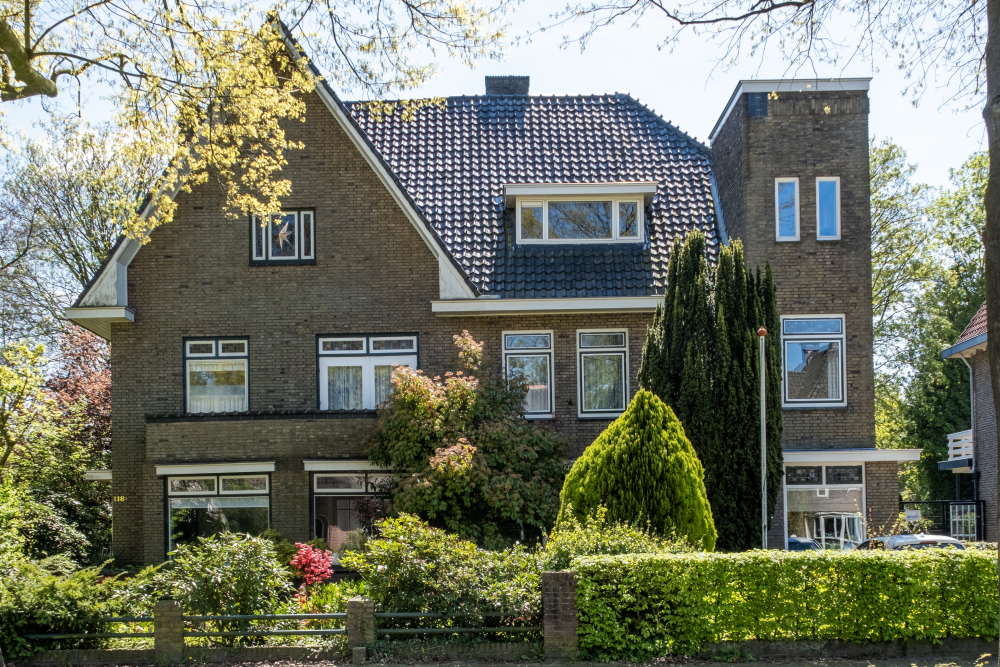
[(559, 616)]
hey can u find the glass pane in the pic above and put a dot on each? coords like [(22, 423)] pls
[(283, 236), (628, 219), (602, 340), (201, 348), (339, 519), (831, 517), (786, 210), (233, 348), (603, 384), (392, 344), (813, 370), (340, 482), (843, 474), (383, 382), (343, 346), (233, 484), (812, 326), (527, 341), (258, 239), (534, 371), (531, 221), (579, 220), (344, 392), (380, 483), (804, 475), (307, 234), (217, 386), (187, 485), (203, 517), (827, 206)]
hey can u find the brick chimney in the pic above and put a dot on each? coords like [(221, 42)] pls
[(507, 85)]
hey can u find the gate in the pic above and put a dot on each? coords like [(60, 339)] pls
[(961, 519)]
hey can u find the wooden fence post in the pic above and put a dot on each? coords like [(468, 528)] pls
[(559, 616), (168, 631)]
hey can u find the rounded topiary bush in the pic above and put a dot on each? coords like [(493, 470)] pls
[(643, 468)]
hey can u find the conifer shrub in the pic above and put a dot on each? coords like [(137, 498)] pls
[(644, 470)]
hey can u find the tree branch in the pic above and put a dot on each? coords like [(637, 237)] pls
[(35, 83)]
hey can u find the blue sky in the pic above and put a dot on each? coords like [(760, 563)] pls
[(685, 85)]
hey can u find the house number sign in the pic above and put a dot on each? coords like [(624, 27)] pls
[(119, 499)]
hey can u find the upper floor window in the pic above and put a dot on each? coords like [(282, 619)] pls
[(355, 372), (814, 367), (215, 374), (284, 237), (828, 208), (603, 372), (580, 220), (527, 356), (786, 209)]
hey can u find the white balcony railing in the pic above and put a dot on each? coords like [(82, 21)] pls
[(960, 445)]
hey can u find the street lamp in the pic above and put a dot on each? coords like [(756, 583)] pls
[(761, 334)]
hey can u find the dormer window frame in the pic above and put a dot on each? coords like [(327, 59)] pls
[(304, 238), (616, 202)]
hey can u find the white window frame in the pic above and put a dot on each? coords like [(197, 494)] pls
[(223, 492), (214, 478), (303, 218), (615, 201), (827, 488), (534, 352), (836, 181), (367, 360), (777, 210), (804, 404), (581, 352), (216, 355)]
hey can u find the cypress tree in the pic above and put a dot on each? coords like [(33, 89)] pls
[(713, 386), (643, 468)]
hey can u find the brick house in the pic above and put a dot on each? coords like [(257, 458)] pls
[(248, 359), (973, 452)]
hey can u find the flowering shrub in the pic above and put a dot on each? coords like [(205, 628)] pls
[(312, 564), (467, 459)]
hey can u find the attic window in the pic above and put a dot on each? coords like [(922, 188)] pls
[(288, 237), (580, 220)]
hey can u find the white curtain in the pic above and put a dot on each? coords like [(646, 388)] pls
[(217, 386), (383, 383), (345, 388), (534, 371)]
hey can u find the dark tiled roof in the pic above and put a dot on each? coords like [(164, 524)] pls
[(977, 326), (455, 160)]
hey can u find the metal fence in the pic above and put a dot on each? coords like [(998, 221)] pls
[(129, 620), (961, 519), (450, 629)]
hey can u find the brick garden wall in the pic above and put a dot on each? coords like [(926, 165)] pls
[(373, 274)]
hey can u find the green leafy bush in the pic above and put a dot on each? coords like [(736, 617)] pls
[(50, 596), (645, 605), (468, 460), (596, 536), (643, 469), (414, 567)]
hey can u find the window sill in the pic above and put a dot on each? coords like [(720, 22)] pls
[(605, 416), (787, 240), (837, 406), (539, 417), (288, 262)]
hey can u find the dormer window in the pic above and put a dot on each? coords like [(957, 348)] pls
[(288, 237), (579, 212)]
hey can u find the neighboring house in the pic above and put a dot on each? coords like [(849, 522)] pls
[(974, 452), (248, 361)]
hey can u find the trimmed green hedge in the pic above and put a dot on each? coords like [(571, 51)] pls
[(644, 605)]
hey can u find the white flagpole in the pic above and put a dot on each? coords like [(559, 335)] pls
[(761, 333)]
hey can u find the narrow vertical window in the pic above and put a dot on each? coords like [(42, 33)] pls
[(258, 237), (307, 235), (786, 207), (828, 208), (531, 220), (527, 357), (603, 373), (628, 219)]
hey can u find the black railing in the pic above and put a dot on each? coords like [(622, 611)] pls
[(450, 630), (102, 635), (961, 519), (250, 632)]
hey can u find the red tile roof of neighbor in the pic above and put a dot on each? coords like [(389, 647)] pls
[(977, 326)]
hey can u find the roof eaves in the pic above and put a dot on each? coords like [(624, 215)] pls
[(957, 350)]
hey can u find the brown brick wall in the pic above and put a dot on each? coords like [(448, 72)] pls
[(881, 496), (373, 274), (809, 135), (984, 439)]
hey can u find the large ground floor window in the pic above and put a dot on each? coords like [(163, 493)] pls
[(346, 504), (824, 506), (205, 505)]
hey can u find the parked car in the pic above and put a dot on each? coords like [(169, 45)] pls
[(920, 541), (803, 544)]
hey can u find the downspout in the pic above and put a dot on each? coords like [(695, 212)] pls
[(972, 420)]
